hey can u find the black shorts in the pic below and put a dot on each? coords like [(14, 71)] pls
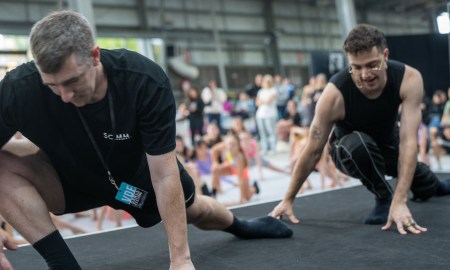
[(147, 216)]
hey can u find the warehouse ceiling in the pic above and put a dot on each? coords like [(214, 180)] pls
[(424, 9)]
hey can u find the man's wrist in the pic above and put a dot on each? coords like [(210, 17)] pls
[(400, 198)]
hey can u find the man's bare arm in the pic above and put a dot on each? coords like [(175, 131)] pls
[(170, 199), (329, 109)]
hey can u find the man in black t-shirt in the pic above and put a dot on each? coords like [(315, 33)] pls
[(361, 103), (104, 121)]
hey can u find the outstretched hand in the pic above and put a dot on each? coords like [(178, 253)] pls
[(284, 208), (401, 216), (5, 242)]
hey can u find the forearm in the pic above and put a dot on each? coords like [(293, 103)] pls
[(302, 168), (406, 168), (170, 199)]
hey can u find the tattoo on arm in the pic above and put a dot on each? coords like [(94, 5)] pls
[(316, 133)]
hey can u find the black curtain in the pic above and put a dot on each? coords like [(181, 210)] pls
[(428, 53), (326, 62)]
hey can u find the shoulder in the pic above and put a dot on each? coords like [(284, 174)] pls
[(26, 71), (122, 61), (341, 78), (331, 103), (411, 73), (24, 78), (412, 83)]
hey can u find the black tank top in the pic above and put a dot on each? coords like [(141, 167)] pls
[(375, 117)]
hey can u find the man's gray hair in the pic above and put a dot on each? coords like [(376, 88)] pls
[(55, 37)]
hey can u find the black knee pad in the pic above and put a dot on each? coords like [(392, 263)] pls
[(357, 153), (425, 183)]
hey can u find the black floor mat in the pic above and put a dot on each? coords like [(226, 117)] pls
[(330, 236)]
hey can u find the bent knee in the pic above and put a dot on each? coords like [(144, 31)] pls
[(33, 170), (25, 166), (10, 163), (199, 210)]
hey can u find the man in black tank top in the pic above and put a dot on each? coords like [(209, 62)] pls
[(357, 115), (104, 121)]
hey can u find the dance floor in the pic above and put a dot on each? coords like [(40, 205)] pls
[(331, 235)]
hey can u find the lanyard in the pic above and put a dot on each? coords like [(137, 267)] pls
[(91, 137)]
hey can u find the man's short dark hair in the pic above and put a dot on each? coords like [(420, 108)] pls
[(363, 38)]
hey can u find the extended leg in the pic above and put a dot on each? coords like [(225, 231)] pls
[(208, 214)]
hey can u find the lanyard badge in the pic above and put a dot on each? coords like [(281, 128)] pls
[(131, 195), (127, 193)]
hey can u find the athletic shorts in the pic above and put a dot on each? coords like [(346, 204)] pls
[(147, 216)]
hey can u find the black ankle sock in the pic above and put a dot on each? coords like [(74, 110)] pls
[(205, 190), (255, 185), (56, 253), (380, 212), (262, 227), (443, 188)]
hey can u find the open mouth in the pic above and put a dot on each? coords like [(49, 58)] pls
[(370, 81)]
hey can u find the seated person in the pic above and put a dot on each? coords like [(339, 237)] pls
[(234, 163), (441, 143), (290, 118), (254, 158)]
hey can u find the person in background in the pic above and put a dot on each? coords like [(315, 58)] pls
[(194, 112), (290, 119), (214, 98), (245, 107), (306, 101), (282, 96), (213, 135), (201, 157), (234, 162), (252, 91), (251, 149), (266, 115)]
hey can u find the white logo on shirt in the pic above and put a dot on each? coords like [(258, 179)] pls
[(119, 137)]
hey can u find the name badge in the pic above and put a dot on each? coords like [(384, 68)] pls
[(131, 195)]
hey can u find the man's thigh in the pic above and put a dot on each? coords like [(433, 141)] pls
[(37, 170)]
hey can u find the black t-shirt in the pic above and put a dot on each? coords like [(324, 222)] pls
[(375, 117), (296, 119), (144, 109)]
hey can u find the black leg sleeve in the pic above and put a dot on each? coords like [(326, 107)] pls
[(425, 183), (357, 155)]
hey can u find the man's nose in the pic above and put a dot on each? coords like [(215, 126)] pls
[(65, 93), (365, 72)]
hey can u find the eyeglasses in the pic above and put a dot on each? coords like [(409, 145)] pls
[(358, 70)]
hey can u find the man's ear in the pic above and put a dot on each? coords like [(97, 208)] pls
[(386, 54), (95, 52)]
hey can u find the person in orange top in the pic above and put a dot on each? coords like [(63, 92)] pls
[(234, 162)]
